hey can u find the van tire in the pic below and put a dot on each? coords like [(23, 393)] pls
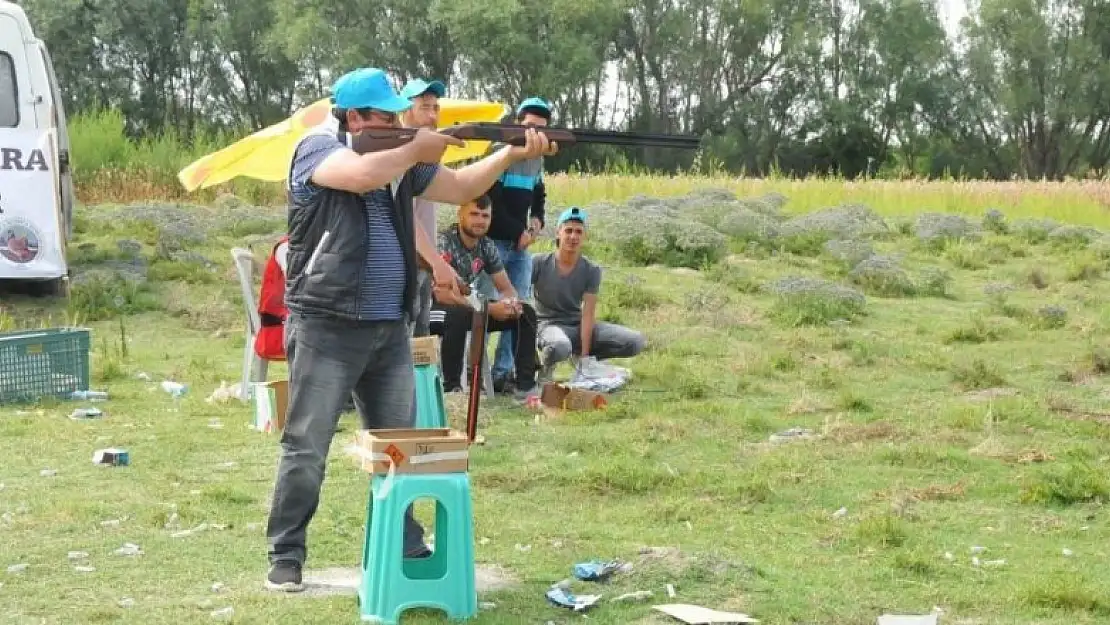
[(68, 200), (57, 287)]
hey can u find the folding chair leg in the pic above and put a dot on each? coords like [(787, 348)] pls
[(260, 370), (245, 380)]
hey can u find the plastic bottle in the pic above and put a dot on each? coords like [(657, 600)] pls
[(88, 395)]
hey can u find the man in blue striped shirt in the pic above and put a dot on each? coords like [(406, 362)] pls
[(351, 290)]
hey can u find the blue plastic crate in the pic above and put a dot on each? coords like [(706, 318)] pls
[(51, 362)]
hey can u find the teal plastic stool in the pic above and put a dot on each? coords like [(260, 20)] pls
[(431, 411), (390, 582)]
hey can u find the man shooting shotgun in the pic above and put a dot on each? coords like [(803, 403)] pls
[(351, 289)]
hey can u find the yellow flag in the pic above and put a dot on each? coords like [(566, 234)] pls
[(265, 155)]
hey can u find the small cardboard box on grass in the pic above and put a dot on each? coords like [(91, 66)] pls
[(563, 397), (270, 402), (424, 450)]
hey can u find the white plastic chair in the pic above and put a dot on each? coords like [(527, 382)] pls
[(255, 368)]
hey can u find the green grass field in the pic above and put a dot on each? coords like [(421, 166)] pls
[(952, 374)]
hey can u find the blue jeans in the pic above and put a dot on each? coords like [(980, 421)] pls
[(518, 266)]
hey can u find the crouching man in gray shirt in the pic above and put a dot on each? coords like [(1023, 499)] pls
[(565, 285)]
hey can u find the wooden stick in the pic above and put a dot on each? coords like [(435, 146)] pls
[(478, 320)]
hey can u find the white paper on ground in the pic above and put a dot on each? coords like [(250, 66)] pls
[(924, 619), (697, 615)]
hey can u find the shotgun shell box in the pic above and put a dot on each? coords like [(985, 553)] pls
[(423, 450), (112, 457), (425, 350), (563, 397)]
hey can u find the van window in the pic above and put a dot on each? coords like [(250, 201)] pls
[(9, 98)]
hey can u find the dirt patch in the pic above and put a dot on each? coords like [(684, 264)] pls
[(807, 404), (666, 558), (936, 492), (843, 432), (903, 501), (344, 581), (1030, 456), (991, 393)]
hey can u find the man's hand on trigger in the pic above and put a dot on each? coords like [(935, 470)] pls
[(524, 241)]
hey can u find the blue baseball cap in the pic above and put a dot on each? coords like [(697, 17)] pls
[(367, 88), (419, 86), (535, 103), (572, 214)]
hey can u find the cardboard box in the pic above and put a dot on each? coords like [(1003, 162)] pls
[(565, 398), (425, 350), (270, 402), (427, 450)]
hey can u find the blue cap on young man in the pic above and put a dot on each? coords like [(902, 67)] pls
[(419, 86), (572, 214), (535, 104), (367, 88)]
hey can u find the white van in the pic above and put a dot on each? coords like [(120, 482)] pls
[(36, 184)]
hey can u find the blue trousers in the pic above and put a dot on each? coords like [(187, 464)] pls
[(518, 266)]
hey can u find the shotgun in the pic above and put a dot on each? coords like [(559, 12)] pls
[(375, 139)]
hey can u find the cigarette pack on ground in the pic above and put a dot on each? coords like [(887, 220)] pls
[(112, 457), (565, 398), (424, 450), (425, 350), (270, 402)]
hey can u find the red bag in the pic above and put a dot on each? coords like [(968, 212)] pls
[(269, 343)]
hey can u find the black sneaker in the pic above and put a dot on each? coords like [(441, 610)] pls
[(503, 385), (419, 553), (285, 576)]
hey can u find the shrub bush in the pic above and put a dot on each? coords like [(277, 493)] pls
[(937, 230), (882, 276), (646, 232), (849, 252), (807, 234), (813, 301)]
